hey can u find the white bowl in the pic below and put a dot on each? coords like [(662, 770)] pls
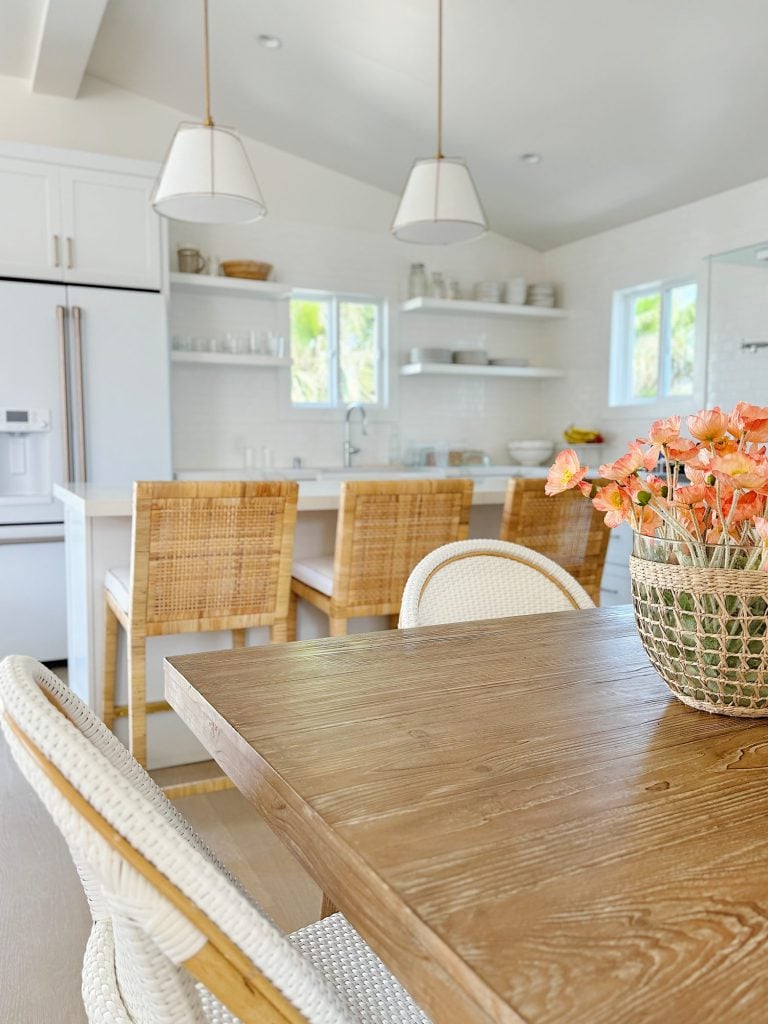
[(530, 453)]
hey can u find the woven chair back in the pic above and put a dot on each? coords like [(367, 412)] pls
[(486, 579), (171, 912), (565, 528), (209, 556), (384, 528)]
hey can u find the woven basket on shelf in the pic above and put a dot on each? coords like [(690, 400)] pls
[(246, 268), (705, 633)]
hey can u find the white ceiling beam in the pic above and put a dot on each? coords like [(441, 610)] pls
[(67, 34)]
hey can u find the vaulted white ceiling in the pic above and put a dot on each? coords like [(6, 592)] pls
[(637, 106)]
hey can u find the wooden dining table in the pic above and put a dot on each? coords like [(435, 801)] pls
[(515, 814)]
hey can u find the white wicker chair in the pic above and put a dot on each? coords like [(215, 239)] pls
[(486, 579), (173, 938)]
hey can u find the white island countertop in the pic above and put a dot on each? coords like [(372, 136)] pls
[(320, 495)]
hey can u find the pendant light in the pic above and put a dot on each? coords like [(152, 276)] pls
[(439, 204), (207, 176)]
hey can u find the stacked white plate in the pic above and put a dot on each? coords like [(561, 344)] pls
[(471, 356), (542, 294), (514, 291), (430, 355), (488, 291)]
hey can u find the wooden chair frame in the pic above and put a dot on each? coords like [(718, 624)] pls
[(149, 497), (220, 965), (552, 515), (340, 606)]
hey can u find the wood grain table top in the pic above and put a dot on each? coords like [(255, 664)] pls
[(515, 814)]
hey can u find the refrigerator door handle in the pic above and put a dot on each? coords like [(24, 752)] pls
[(61, 327), (77, 319)]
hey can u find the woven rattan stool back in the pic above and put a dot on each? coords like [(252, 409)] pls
[(384, 529), (205, 556), (565, 528), (210, 556)]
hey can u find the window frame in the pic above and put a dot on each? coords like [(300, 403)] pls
[(334, 300), (621, 348)]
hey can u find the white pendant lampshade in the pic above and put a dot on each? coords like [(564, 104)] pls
[(440, 204), (207, 178)]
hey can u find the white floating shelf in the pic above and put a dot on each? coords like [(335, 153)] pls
[(207, 284), (228, 359), (474, 370), (465, 306)]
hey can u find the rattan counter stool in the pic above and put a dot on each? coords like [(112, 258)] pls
[(384, 528), (565, 528), (205, 556)]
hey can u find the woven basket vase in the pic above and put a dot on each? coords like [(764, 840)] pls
[(705, 633)]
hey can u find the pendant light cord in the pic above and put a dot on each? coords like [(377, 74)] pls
[(206, 63), (439, 79)]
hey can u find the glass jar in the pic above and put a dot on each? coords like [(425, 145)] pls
[(438, 289), (417, 281)]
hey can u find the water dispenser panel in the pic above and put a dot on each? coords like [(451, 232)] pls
[(24, 421), (25, 455)]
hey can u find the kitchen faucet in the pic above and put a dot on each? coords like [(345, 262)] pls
[(349, 448)]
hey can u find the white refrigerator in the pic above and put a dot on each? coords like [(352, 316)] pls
[(84, 397)]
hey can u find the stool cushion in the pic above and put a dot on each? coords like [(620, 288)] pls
[(316, 573), (118, 582)]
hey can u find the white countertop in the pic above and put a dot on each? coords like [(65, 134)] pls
[(316, 495)]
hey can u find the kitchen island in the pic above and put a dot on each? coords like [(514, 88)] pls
[(98, 537)]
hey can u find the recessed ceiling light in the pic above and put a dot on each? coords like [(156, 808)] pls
[(531, 158), (269, 42)]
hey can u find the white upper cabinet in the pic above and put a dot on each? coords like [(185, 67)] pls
[(30, 239), (84, 225), (111, 234)]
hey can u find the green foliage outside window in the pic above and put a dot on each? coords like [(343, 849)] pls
[(335, 347), (662, 328)]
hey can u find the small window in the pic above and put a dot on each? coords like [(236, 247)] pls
[(337, 350), (654, 334)]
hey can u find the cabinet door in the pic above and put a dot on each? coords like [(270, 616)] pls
[(111, 233), (30, 240)]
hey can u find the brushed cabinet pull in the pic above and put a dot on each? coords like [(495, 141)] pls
[(70, 261), (56, 252)]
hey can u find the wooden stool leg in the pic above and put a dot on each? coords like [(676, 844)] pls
[(137, 698), (238, 638), (110, 666), (393, 621), (338, 626), (279, 630), (293, 610), (328, 907)]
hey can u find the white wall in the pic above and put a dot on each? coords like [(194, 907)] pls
[(668, 245), (324, 230), (328, 231)]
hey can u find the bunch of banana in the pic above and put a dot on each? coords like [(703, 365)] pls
[(574, 435)]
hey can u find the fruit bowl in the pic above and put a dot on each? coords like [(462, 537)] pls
[(530, 453)]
